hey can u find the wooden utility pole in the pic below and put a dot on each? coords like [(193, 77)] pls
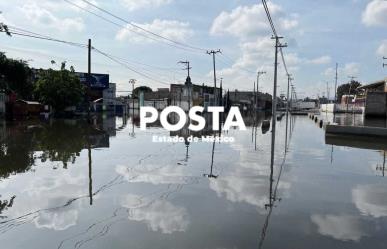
[(213, 53)]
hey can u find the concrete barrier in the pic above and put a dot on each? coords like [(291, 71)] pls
[(356, 130)]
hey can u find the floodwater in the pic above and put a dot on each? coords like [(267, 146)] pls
[(68, 184)]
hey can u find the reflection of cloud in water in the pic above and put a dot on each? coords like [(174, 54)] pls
[(371, 199), (251, 190), (159, 215), (170, 174), (345, 227), (57, 220), (248, 179), (44, 201)]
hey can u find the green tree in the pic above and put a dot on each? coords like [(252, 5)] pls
[(59, 88), (15, 76), (139, 89), (349, 88)]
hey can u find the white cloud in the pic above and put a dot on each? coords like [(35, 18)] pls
[(247, 21), (375, 13), (159, 215), (57, 220), (38, 15), (345, 228), (171, 29), (142, 4), (382, 49), (349, 69), (371, 200), (321, 60)]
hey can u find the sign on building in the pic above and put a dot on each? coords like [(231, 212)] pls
[(97, 81)]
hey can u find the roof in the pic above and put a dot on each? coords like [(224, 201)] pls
[(375, 84)]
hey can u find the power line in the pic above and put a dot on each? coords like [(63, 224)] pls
[(125, 27), (32, 35), (111, 57), (128, 67), (181, 44)]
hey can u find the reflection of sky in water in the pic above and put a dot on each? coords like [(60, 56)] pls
[(147, 195)]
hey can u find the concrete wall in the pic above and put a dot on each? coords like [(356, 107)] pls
[(303, 105), (376, 104), (327, 108)]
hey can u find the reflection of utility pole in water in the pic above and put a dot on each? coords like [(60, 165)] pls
[(211, 175), (382, 168), (187, 149), (90, 177), (90, 165), (273, 192)]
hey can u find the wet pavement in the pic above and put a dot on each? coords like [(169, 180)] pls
[(69, 184)]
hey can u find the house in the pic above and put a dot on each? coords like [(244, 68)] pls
[(26, 108), (188, 94), (375, 98)]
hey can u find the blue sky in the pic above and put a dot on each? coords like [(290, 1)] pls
[(319, 33)]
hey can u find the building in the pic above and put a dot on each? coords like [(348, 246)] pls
[(375, 98), (159, 99), (188, 94), (246, 99), (23, 108)]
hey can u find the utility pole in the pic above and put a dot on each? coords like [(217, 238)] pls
[(278, 45), (255, 99), (89, 120), (187, 66), (188, 85), (213, 53), (88, 79), (287, 95), (336, 78), (132, 81), (258, 76)]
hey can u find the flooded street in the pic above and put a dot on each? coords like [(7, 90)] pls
[(68, 184)]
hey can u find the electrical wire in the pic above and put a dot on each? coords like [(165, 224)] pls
[(153, 36)]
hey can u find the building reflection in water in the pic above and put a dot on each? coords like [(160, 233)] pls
[(56, 140), (360, 142)]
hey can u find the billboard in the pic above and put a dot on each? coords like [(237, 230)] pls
[(97, 81)]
